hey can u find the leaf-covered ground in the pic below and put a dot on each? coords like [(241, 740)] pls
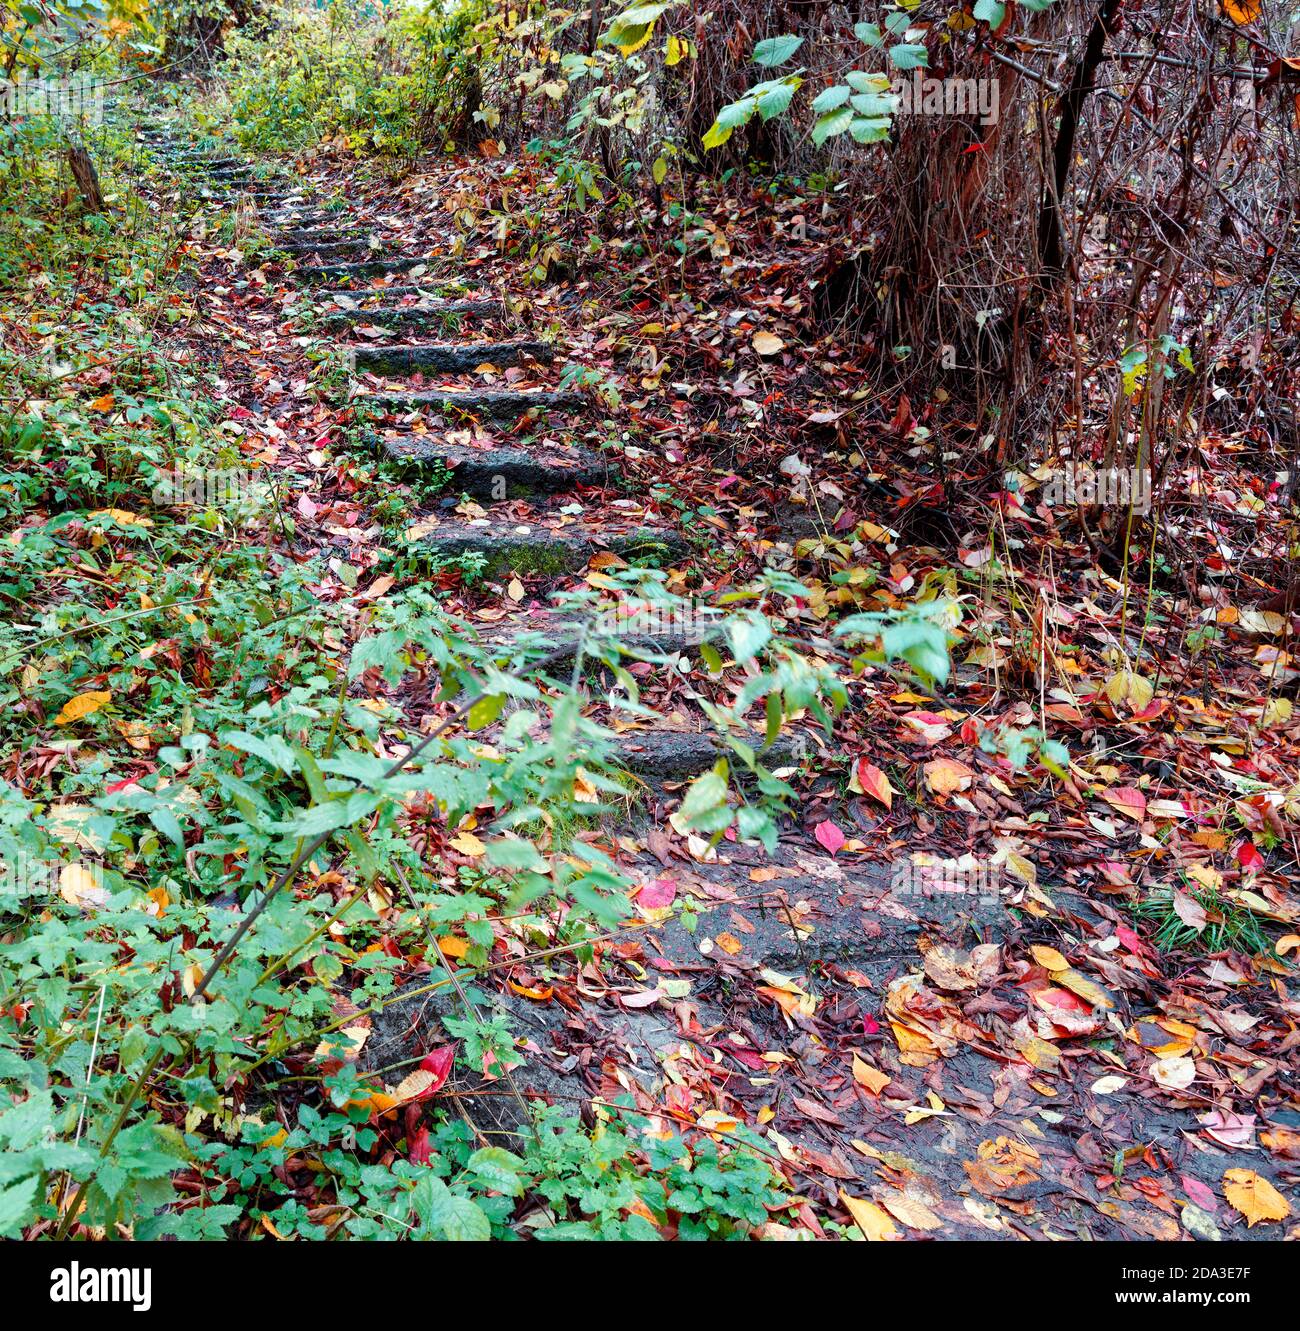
[(1019, 1061), (971, 994)]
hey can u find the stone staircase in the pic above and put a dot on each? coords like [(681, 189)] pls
[(531, 525)]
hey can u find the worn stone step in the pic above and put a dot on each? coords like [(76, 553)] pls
[(437, 314), (303, 216), (335, 272), (450, 357), (423, 290), (322, 235), (498, 404), (256, 193), (502, 473), (323, 248), (203, 159), (641, 627), (671, 755), (536, 547)]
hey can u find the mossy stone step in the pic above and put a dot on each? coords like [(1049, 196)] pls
[(203, 159), (502, 473), (439, 315), (640, 628), (309, 216), (333, 272), (421, 290), (497, 404), (671, 755), (323, 248), (321, 235), (533, 548), (452, 357)]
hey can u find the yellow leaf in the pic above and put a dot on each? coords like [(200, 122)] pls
[(1256, 1198), (515, 590), (1130, 687), (543, 995), (1277, 712), (767, 344), (874, 1222), (677, 49), (729, 943), (121, 515), (453, 947), (82, 705), (79, 887), (136, 734), (914, 1214), (1049, 958), (468, 844), (1084, 987), (1242, 12), (413, 1084), (102, 404)]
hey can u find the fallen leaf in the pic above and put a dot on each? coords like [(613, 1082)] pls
[(871, 1219), (82, 705), (1048, 958), (829, 835), (867, 779), (1255, 1197), (871, 1077)]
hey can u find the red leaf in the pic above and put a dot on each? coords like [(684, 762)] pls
[(1248, 856), (657, 893), (418, 1147), (829, 836), (1131, 941), (438, 1061), (868, 779), (1197, 1192)]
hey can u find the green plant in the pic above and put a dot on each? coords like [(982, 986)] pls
[(1227, 925)]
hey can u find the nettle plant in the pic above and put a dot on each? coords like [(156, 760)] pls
[(176, 939)]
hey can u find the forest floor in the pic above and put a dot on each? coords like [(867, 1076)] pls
[(936, 1002)]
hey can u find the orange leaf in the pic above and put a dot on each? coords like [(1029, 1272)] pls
[(1255, 1197), (867, 779), (82, 705)]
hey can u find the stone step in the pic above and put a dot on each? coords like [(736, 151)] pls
[(422, 291), (321, 235), (255, 193), (437, 314), (449, 357), (334, 272), (501, 473), (309, 216), (498, 404), (323, 248), (671, 755), (532, 547), (204, 159), (640, 627)]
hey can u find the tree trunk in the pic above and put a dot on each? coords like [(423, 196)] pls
[(83, 172), (1051, 245)]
